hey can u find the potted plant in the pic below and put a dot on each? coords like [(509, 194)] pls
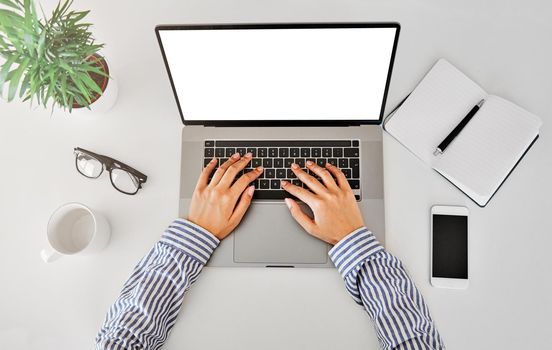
[(52, 60)]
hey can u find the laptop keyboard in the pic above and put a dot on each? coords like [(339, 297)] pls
[(276, 157)]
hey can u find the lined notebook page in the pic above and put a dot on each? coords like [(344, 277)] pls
[(486, 150), (433, 109)]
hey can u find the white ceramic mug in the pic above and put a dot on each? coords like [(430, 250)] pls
[(75, 229)]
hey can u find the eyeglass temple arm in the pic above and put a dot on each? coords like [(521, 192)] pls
[(82, 150)]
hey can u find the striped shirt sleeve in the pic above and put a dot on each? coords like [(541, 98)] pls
[(379, 282), (146, 310)]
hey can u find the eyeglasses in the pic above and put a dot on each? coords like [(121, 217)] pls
[(124, 178)]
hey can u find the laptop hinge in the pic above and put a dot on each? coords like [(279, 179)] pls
[(282, 125)]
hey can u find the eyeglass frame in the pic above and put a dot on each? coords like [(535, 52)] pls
[(109, 164)]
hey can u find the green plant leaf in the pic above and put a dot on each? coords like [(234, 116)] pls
[(85, 92), (5, 70), (11, 24), (10, 3), (10, 19), (48, 94), (25, 85), (8, 78), (64, 89), (65, 66), (77, 16), (97, 70), (34, 83), (91, 84), (66, 6), (29, 42), (28, 12), (14, 82), (41, 42), (52, 85)]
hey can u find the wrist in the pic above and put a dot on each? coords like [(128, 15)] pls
[(201, 225), (346, 232), (192, 239), (354, 249)]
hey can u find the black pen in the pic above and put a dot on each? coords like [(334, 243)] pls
[(443, 145)]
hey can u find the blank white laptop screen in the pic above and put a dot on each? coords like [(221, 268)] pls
[(279, 74)]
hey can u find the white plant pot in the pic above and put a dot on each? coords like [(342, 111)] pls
[(106, 101), (108, 98)]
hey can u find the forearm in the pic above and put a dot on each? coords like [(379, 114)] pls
[(146, 310), (379, 282)]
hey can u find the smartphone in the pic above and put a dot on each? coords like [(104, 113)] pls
[(449, 247)]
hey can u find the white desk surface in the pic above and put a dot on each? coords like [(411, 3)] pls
[(505, 46)]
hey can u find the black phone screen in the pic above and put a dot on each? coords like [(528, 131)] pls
[(450, 246)]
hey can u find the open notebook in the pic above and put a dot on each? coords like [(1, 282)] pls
[(485, 152)]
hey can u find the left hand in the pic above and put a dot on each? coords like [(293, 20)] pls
[(219, 205)]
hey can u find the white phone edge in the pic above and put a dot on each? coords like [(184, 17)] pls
[(449, 283)]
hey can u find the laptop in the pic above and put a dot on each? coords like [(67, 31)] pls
[(287, 93)]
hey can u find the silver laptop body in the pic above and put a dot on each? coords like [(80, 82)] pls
[(268, 236)]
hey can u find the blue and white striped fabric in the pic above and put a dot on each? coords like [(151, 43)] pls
[(378, 281), (147, 308)]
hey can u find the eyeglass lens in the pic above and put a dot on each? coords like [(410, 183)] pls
[(89, 166), (124, 181)]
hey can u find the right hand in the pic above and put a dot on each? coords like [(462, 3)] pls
[(336, 213)]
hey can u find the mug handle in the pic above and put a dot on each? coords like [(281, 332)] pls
[(49, 255)]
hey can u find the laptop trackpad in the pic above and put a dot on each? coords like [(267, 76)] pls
[(269, 235)]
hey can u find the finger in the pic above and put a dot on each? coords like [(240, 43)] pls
[(222, 169), (233, 170), (299, 192), (308, 180), (242, 206), (299, 215), (323, 173), (203, 180), (338, 174), (246, 179)]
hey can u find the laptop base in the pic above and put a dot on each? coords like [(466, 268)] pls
[(268, 236)]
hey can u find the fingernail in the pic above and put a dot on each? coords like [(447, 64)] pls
[(250, 191), (309, 162), (283, 183), (213, 160), (328, 165), (259, 168), (248, 155), (288, 202), (236, 155), (294, 166)]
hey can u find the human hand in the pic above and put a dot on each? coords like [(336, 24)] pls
[(214, 205), (336, 213)]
